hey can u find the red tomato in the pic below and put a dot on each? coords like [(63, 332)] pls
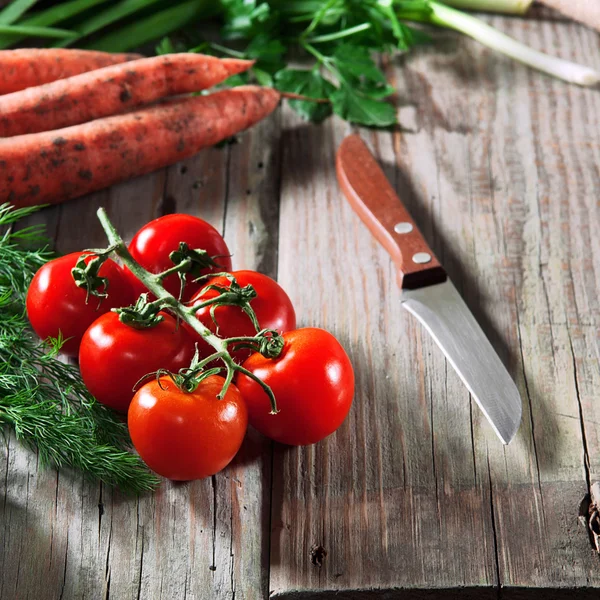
[(187, 435), (154, 242), (113, 356), (313, 383), (272, 307), (55, 304)]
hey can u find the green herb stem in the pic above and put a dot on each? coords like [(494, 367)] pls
[(228, 51), (318, 17), (338, 35)]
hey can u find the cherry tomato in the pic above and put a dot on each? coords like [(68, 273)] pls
[(55, 304), (313, 383), (187, 435), (153, 243), (272, 307), (113, 356)]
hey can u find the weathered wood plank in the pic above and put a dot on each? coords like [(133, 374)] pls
[(195, 540), (481, 165), (549, 264), (401, 491), (414, 495)]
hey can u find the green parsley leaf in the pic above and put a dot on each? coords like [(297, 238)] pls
[(356, 108), (269, 53), (165, 46), (235, 80), (355, 62), (308, 83), (264, 48), (262, 77), (377, 91), (246, 18)]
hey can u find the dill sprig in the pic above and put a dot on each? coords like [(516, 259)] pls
[(43, 399)]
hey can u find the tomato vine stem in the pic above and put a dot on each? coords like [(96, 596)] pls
[(187, 314)]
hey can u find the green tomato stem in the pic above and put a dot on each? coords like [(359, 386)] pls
[(171, 271), (318, 17), (152, 283)]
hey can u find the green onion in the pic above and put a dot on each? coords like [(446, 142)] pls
[(516, 7), (108, 17), (445, 16), (45, 32), (51, 16), (13, 11), (150, 28), (61, 12)]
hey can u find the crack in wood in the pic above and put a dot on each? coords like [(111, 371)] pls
[(471, 428), (107, 569), (141, 569), (64, 580), (586, 454), (231, 552), (435, 477), (494, 532), (531, 419), (213, 481)]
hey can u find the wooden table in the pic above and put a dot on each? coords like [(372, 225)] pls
[(414, 494)]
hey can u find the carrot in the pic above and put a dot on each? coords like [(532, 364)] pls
[(53, 166), (28, 67), (111, 90)]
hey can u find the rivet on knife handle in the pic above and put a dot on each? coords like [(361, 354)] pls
[(377, 204)]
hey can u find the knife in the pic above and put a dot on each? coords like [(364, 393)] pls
[(427, 291)]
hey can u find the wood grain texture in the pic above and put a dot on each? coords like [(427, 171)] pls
[(445, 505), (62, 538), (414, 497)]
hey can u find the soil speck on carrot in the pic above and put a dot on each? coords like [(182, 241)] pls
[(111, 90), (77, 160)]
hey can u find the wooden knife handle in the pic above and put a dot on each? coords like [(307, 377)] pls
[(377, 204)]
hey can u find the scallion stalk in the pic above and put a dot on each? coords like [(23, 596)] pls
[(14, 10), (445, 16), (514, 7), (150, 28), (50, 16), (28, 31)]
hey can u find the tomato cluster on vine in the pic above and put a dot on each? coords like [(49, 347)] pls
[(190, 349)]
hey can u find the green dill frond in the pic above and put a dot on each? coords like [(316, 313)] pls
[(43, 399)]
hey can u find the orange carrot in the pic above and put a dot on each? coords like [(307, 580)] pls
[(53, 166), (28, 67), (111, 91)]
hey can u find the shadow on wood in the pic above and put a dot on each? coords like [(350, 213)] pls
[(471, 291)]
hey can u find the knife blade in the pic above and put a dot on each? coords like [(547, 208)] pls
[(427, 292)]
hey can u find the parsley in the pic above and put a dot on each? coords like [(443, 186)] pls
[(339, 37), (309, 83), (333, 45)]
